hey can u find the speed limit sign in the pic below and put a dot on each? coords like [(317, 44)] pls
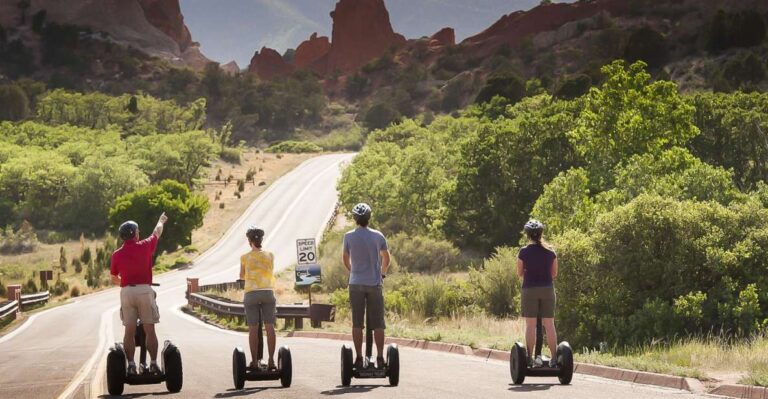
[(306, 251)]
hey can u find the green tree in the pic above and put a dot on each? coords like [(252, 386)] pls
[(381, 115), (185, 212), (574, 86), (503, 168), (629, 115)]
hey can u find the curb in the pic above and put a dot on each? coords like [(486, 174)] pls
[(741, 391), (636, 377)]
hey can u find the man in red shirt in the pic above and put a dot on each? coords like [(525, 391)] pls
[(131, 269)]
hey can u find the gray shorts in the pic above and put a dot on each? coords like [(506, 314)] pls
[(535, 299), (260, 305), (366, 299)]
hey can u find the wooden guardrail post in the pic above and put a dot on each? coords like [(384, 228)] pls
[(193, 286), (14, 294)]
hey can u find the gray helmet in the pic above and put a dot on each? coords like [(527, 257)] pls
[(128, 230), (253, 233), (361, 211), (533, 226)]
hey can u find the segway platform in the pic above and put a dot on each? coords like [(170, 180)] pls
[(391, 369), (518, 361), (241, 373), (117, 376)]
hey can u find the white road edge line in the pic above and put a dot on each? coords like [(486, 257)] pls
[(27, 323), (104, 325)]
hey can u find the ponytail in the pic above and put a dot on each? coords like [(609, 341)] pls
[(255, 236)]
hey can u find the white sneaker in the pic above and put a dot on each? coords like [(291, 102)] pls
[(552, 363), (538, 362)]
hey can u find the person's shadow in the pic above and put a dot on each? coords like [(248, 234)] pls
[(135, 395), (530, 387), (231, 393), (341, 390)]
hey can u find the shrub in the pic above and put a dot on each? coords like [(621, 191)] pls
[(509, 86), (423, 254), (23, 240), (14, 104), (60, 287), (381, 115), (2, 289), (574, 86), (350, 139), (648, 45), (250, 174), (497, 285), (294, 147), (740, 72), (231, 154), (77, 265), (30, 287), (240, 185), (75, 291), (86, 256)]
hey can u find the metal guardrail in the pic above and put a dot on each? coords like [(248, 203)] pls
[(8, 309), (34, 299), (237, 285), (317, 313)]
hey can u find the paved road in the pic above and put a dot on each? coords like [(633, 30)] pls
[(61, 352)]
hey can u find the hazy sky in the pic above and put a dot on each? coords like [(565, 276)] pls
[(235, 29)]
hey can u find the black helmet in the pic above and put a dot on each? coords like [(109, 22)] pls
[(361, 212), (254, 233), (128, 230)]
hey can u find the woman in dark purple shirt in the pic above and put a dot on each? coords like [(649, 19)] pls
[(537, 266)]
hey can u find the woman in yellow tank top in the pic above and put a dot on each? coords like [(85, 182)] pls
[(256, 268)]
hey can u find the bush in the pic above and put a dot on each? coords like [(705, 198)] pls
[(231, 154), (86, 256), (381, 115), (30, 287), (23, 240), (75, 292), (648, 45), (240, 185), (574, 86), (14, 103), (350, 139), (740, 73), (508, 86), (422, 254), (294, 147), (2, 289), (60, 287), (497, 285), (77, 265)]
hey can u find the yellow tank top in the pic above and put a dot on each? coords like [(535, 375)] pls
[(259, 266)]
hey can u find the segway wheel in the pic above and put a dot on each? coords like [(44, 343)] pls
[(565, 362), (518, 363), (238, 368), (115, 371), (286, 366), (174, 374), (346, 366), (393, 365)]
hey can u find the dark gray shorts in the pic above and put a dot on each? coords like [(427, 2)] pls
[(366, 299), (260, 304), (538, 298)]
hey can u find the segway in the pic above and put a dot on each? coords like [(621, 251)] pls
[(171, 370), (518, 360), (390, 370), (241, 373)]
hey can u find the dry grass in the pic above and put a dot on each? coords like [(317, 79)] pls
[(268, 168)]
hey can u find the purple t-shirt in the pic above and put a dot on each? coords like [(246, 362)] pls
[(537, 265)]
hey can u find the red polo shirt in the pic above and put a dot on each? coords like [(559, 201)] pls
[(133, 261)]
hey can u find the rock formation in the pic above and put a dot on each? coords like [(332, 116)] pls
[(231, 68), (310, 51), (512, 29), (166, 16), (361, 32), (268, 64), (445, 37)]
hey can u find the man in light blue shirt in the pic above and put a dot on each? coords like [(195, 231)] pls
[(366, 257)]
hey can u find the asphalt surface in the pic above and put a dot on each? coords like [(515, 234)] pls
[(61, 352)]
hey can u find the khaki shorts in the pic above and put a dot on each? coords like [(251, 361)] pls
[(367, 300), (260, 305), (537, 299), (138, 303)]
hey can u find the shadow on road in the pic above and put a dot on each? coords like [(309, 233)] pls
[(340, 390), (231, 393), (530, 387), (136, 395)]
